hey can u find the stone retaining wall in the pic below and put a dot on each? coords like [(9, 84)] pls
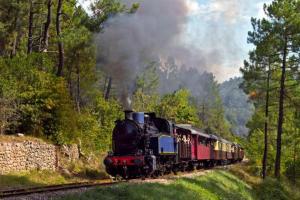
[(26, 156)]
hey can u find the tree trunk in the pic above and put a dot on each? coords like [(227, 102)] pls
[(69, 80), (30, 29), (45, 40), (104, 88), (281, 111), (294, 161), (60, 42), (78, 88), (19, 34), (264, 161), (108, 88), (14, 47)]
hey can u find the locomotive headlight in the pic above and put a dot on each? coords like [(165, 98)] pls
[(139, 152)]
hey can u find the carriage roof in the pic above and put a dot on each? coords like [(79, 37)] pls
[(192, 130)]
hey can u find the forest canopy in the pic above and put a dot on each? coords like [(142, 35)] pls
[(52, 84)]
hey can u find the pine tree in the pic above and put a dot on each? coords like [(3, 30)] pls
[(275, 37)]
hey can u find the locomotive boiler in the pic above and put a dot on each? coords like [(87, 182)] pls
[(141, 143)]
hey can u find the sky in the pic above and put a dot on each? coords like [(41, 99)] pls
[(222, 26), (218, 28)]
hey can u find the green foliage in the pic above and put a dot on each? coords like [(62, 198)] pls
[(292, 170), (95, 125), (145, 97), (213, 186), (178, 107), (106, 113), (273, 190), (275, 57), (43, 104), (148, 81), (12, 15), (103, 10), (69, 109), (144, 102)]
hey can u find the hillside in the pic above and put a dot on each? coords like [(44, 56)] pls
[(238, 110), (216, 184)]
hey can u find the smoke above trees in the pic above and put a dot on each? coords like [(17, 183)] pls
[(157, 33), (153, 33)]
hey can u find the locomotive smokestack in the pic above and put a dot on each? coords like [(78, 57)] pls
[(126, 100), (128, 114)]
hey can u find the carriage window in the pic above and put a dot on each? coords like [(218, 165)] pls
[(199, 140), (202, 141), (207, 143)]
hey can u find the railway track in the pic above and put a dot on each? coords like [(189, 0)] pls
[(52, 188), (64, 187)]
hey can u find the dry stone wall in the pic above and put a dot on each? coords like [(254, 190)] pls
[(26, 156)]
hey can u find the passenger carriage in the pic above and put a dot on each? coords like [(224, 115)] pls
[(198, 145)]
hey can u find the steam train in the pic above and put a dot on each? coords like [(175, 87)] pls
[(145, 145)]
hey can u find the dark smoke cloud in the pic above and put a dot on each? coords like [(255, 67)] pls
[(153, 33)]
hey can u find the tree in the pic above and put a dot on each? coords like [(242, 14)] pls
[(60, 43), (179, 108), (30, 28), (45, 39), (257, 76), (105, 9), (283, 13), (12, 19), (145, 97), (280, 30)]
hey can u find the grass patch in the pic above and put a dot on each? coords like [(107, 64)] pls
[(33, 178), (45, 177), (72, 172), (91, 168), (213, 186), (235, 183), (14, 138), (268, 189), (271, 189)]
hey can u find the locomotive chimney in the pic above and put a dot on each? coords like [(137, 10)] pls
[(128, 114)]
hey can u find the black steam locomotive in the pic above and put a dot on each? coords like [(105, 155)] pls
[(145, 145)]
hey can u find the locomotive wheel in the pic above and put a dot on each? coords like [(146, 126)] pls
[(191, 167), (175, 170), (125, 173), (155, 174), (182, 168), (206, 164)]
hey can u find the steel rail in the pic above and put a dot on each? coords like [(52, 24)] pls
[(51, 188)]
